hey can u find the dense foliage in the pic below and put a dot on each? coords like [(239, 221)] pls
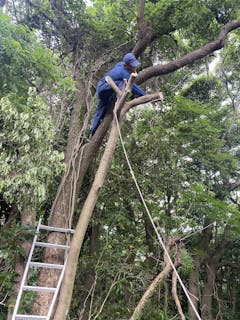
[(30, 161)]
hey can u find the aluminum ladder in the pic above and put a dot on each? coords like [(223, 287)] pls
[(30, 263)]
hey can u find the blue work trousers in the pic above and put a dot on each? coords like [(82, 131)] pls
[(104, 93)]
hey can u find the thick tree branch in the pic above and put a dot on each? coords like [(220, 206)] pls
[(143, 42), (175, 296), (137, 101), (145, 32), (150, 290), (174, 282), (140, 17), (189, 58), (222, 243), (141, 100)]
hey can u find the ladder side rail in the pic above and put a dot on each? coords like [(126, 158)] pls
[(57, 290), (25, 272)]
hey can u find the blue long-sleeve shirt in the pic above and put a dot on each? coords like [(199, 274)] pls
[(118, 73)]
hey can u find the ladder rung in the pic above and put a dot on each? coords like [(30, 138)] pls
[(39, 289), (32, 317), (43, 227), (46, 265), (51, 245)]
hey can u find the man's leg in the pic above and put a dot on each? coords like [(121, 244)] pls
[(103, 103), (98, 116)]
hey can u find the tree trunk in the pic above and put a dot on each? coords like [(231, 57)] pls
[(77, 116), (213, 257), (90, 272), (150, 239), (208, 292), (194, 288)]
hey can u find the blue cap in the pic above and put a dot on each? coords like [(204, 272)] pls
[(130, 59)]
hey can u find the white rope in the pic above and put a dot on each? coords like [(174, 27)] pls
[(152, 222)]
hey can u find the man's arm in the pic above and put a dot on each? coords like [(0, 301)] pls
[(138, 91)]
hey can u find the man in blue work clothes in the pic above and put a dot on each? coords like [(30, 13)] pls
[(122, 70)]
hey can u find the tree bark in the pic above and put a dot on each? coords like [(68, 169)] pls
[(90, 272), (177, 264), (77, 116), (175, 296), (145, 32), (194, 288), (208, 291), (150, 239), (212, 263)]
